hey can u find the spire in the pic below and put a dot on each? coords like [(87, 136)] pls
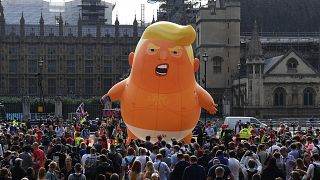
[(2, 21), (60, 19), (41, 22), (22, 19), (153, 21), (1, 12), (1, 8), (22, 31), (135, 26), (255, 48), (60, 25), (117, 21), (135, 22), (116, 33), (79, 25)]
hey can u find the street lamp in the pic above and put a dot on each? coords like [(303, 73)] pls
[(239, 90), (41, 107), (205, 60)]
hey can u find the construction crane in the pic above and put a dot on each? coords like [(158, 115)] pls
[(177, 11)]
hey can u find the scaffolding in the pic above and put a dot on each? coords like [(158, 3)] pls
[(92, 12), (177, 11)]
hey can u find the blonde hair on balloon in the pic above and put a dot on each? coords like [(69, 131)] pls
[(178, 34)]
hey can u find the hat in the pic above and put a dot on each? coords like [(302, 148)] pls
[(130, 150), (69, 140), (39, 131)]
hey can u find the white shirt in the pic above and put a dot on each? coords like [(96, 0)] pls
[(289, 164), (310, 170), (272, 149), (162, 168), (210, 131), (234, 166), (59, 131), (245, 159)]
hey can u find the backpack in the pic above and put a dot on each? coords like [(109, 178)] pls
[(316, 172), (128, 166), (318, 148)]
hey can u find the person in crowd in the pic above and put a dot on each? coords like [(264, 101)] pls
[(77, 175), (149, 170), (194, 171), (288, 161), (52, 173), (26, 158), (313, 171), (42, 174), (161, 167), (179, 168), (67, 169), (38, 157), (135, 172), (91, 163), (116, 159), (272, 167), (17, 171), (143, 158), (212, 174), (234, 165)]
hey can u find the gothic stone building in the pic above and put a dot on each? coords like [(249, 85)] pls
[(80, 61), (275, 75)]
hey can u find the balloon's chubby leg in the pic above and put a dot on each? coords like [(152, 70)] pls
[(205, 100), (131, 136), (115, 93), (187, 139)]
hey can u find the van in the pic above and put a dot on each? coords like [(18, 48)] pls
[(231, 121)]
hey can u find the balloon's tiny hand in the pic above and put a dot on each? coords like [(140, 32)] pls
[(105, 100), (213, 109)]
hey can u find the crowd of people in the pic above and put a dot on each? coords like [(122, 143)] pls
[(78, 151)]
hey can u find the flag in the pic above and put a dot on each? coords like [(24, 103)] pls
[(80, 110)]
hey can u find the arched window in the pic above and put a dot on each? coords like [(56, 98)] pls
[(279, 97), (292, 65), (309, 97), (217, 64)]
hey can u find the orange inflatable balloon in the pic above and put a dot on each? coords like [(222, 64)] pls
[(161, 95)]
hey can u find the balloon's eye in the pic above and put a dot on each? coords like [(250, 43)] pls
[(175, 52)]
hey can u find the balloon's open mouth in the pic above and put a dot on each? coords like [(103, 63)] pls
[(162, 69)]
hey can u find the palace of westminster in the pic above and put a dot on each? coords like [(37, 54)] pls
[(249, 71)]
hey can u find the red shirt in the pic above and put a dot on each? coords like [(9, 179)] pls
[(38, 158)]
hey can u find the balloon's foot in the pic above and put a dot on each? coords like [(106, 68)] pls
[(131, 137), (187, 139)]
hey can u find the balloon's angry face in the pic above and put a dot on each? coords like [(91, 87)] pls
[(160, 64)]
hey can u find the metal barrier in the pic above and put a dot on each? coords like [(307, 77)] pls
[(293, 122)]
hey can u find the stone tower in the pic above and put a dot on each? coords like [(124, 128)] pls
[(218, 35), (255, 67)]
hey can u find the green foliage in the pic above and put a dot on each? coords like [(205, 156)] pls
[(6, 99), (51, 100)]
